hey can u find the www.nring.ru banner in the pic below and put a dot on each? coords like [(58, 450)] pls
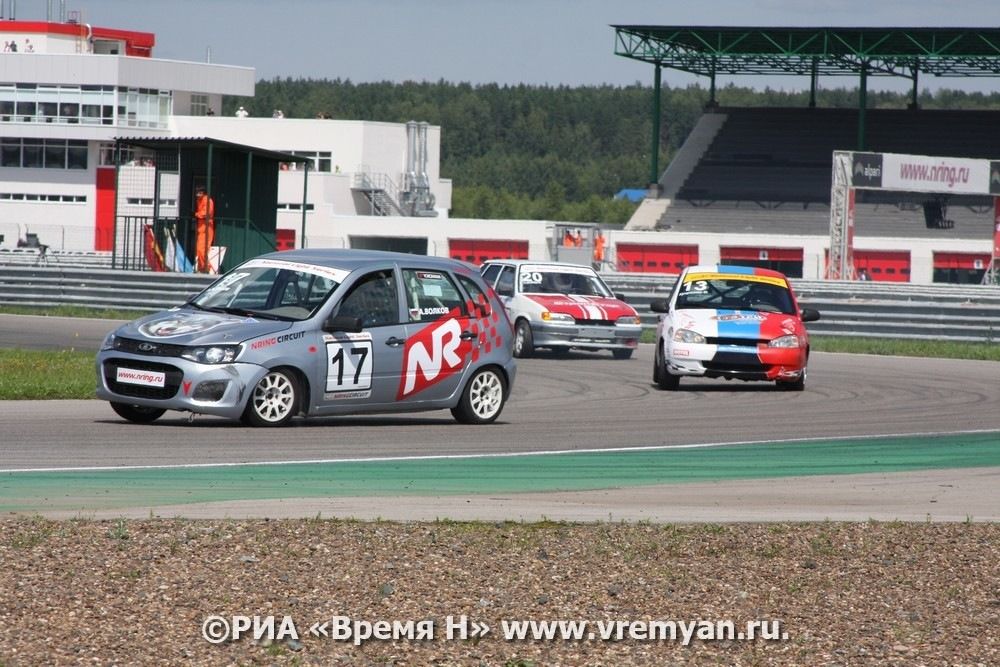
[(922, 173)]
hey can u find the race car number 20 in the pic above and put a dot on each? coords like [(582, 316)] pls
[(348, 366)]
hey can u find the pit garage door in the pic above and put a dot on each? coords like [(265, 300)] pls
[(892, 266), (786, 260), (478, 251), (654, 258), (966, 268)]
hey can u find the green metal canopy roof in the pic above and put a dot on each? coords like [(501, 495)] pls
[(709, 51)]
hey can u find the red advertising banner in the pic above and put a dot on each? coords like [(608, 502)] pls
[(996, 227)]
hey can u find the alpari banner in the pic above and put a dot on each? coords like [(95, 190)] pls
[(924, 173), (866, 170)]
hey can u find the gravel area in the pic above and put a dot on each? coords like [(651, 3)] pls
[(136, 592)]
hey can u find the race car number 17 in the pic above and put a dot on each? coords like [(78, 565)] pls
[(349, 366)]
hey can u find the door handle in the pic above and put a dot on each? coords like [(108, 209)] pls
[(467, 335), (392, 341)]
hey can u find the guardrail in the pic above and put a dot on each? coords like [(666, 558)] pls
[(892, 310), (862, 309)]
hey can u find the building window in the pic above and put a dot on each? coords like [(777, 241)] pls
[(199, 105), (43, 153), (35, 197)]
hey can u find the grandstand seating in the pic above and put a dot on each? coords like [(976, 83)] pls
[(768, 170)]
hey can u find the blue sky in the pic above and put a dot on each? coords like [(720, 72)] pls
[(556, 42)]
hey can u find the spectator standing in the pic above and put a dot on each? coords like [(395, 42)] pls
[(242, 113), (204, 216)]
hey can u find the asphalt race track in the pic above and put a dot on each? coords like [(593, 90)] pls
[(583, 401)]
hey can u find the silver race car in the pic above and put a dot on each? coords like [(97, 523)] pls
[(318, 332)]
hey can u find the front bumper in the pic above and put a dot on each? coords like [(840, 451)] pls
[(737, 363), (586, 336), (220, 390)]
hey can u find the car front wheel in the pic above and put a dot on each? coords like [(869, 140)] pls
[(794, 385), (664, 380), (523, 344), (137, 413), (274, 400), (482, 399)]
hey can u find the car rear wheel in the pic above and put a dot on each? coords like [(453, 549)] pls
[(622, 354), (137, 413), (524, 346), (664, 380), (482, 399), (274, 400)]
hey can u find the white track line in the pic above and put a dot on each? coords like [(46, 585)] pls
[(446, 457)]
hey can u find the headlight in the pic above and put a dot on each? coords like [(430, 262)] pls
[(215, 354), (688, 336), (109, 342), (785, 341), (628, 319), (558, 318)]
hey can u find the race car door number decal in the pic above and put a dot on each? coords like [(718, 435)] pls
[(349, 365)]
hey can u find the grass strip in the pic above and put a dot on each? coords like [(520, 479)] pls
[(46, 374), (74, 311)]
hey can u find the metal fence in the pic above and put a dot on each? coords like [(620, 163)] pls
[(931, 312), (863, 309)]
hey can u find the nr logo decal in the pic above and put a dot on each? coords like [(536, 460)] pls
[(434, 353)]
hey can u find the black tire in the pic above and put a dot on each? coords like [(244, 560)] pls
[(524, 345), (622, 354), (482, 399), (274, 400), (137, 413), (795, 385), (664, 380)]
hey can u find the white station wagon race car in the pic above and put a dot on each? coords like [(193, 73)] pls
[(562, 306)]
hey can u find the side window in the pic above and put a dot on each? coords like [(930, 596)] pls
[(505, 284), (374, 298), (490, 274), (431, 295), (475, 292)]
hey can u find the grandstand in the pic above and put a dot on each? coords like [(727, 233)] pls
[(750, 172), (768, 170)]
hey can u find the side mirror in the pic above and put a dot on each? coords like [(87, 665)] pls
[(659, 306), (342, 323), (620, 296), (809, 315)]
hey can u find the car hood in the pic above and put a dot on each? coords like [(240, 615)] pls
[(583, 307), (738, 324), (194, 327)]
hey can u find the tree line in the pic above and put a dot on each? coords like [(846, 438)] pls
[(548, 152)]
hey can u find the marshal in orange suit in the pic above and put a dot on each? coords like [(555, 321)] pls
[(204, 216)]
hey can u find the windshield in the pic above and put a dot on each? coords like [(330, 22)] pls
[(271, 289), (760, 293), (555, 281)]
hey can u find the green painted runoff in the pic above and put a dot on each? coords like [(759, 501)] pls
[(108, 489)]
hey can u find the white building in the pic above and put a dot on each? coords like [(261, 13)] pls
[(69, 90)]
